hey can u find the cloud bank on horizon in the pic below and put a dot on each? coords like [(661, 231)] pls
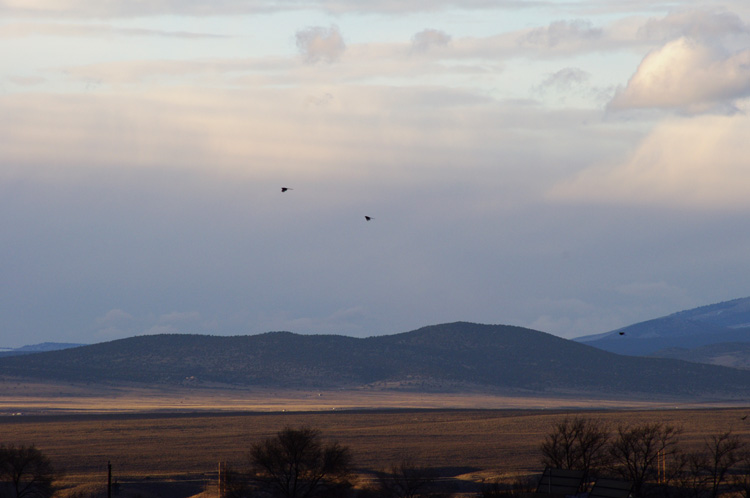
[(570, 167)]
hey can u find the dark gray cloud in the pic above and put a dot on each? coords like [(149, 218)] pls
[(561, 34), (704, 24), (429, 38), (320, 44), (565, 79)]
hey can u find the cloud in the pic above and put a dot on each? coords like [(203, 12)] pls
[(428, 39), (565, 79), (127, 8), (19, 30), (695, 163), (26, 81), (63, 135), (320, 44), (571, 317), (115, 317), (700, 24), (562, 35), (689, 76), (266, 70)]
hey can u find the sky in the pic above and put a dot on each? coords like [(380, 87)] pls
[(568, 166)]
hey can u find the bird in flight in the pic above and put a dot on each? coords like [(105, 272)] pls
[(622, 333), (284, 189), (368, 218)]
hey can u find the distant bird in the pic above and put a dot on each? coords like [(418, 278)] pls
[(622, 333), (744, 418), (368, 218), (284, 189)]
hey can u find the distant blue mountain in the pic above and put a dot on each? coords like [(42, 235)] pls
[(39, 348), (727, 322)]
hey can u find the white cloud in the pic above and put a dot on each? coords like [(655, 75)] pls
[(320, 44), (698, 162), (687, 75)]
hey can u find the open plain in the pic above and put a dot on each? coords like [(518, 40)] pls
[(169, 443)]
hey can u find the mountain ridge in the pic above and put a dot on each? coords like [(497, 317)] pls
[(448, 357), (724, 322)]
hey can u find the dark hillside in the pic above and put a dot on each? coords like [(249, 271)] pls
[(728, 354), (454, 356)]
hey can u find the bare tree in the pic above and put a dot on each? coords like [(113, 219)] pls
[(636, 449), (576, 444), (405, 480), (741, 480), (27, 472), (296, 464), (233, 483), (709, 468)]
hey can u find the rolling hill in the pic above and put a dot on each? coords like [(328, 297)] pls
[(450, 357)]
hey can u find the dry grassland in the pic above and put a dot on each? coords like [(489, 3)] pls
[(185, 443), (29, 398)]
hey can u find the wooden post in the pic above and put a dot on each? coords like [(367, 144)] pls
[(109, 479)]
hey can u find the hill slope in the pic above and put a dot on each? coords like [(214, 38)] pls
[(727, 354), (727, 322), (446, 357)]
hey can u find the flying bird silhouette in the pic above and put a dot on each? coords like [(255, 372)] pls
[(284, 189), (743, 418), (622, 333), (368, 218)]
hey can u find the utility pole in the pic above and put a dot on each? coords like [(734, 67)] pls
[(109, 479)]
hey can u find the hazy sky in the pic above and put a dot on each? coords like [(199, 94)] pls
[(569, 166)]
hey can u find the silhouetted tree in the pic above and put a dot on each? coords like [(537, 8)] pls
[(26, 472), (636, 449), (709, 468), (405, 480), (234, 484), (296, 464), (741, 480), (576, 444)]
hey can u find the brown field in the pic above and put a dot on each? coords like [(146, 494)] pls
[(168, 444)]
